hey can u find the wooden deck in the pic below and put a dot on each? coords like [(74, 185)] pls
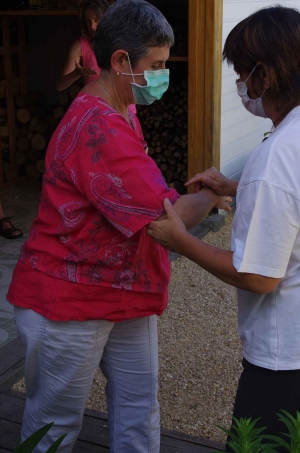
[(94, 436)]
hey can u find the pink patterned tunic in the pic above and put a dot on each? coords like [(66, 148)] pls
[(100, 191)]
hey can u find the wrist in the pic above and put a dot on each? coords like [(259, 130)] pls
[(234, 187), (210, 195), (76, 72)]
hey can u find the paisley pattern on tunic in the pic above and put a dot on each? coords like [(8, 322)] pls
[(72, 213)]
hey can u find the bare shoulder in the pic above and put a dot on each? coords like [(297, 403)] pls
[(75, 49)]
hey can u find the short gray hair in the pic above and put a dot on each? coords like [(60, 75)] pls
[(134, 26)]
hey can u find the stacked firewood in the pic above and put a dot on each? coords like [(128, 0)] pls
[(34, 125), (58, 4), (164, 124), (180, 47)]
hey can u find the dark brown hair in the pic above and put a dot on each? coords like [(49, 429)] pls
[(99, 7), (270, 36)]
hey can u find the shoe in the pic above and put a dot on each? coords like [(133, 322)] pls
[(8, 232)]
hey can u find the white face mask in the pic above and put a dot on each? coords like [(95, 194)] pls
[(253, 106)]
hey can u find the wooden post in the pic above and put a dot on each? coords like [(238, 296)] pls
[(9, 95), (205, 72), (213, 83), (196, 86), (22, 55), (1, 164)]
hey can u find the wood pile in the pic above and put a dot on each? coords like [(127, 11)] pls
[(62, 4), (34, 125), (180, 47), (164, 125)]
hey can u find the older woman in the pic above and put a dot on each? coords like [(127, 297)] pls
[(90, 283), (264, 263)]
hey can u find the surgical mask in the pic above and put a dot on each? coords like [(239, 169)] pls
[(253, 106), (157, 85)]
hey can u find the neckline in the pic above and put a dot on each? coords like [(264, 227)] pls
[(130, 114)]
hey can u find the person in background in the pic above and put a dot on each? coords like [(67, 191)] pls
[(90, 283), (264, 263), (7, 229), (81, 60)]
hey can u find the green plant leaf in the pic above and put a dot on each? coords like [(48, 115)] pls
[(243, 437), (56, 444), (31, 442), (278, 440)]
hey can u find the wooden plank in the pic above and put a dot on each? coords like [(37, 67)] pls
[(11, 363), (95, 430), (14, 394), (9, 94), (13, 49), (196, 86), (1, 163), (83, 447), (11, 354), (22, 55), (213, 83), (39, 13), (170, 444), (10, 433), (193, 439), (183, 59), (12, 408)]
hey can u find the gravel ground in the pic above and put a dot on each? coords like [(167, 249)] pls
[(200, 353)]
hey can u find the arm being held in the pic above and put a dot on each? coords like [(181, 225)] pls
[(193, 208), (171, 233)]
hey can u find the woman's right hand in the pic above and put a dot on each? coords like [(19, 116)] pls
[(86, 72), (215, 180)]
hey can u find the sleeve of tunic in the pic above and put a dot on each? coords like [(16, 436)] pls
[(110, 167)]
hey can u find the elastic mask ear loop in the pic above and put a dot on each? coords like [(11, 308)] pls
[(132, 75), (249, 78), (250, 74), (130, 67)]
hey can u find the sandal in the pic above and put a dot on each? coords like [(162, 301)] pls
[(8, 232)]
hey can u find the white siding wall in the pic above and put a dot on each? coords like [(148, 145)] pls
[(240, 131)]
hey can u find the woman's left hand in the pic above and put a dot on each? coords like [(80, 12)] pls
[(167, 232)]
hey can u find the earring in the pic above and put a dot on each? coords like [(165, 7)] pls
[(117, 73)]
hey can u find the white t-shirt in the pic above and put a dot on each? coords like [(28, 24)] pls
[(266, 241)]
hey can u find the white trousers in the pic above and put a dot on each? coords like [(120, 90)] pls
[(61, 360)]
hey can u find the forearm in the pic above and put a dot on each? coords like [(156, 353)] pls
[(219, 263), (64, 81), (193, 208)]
